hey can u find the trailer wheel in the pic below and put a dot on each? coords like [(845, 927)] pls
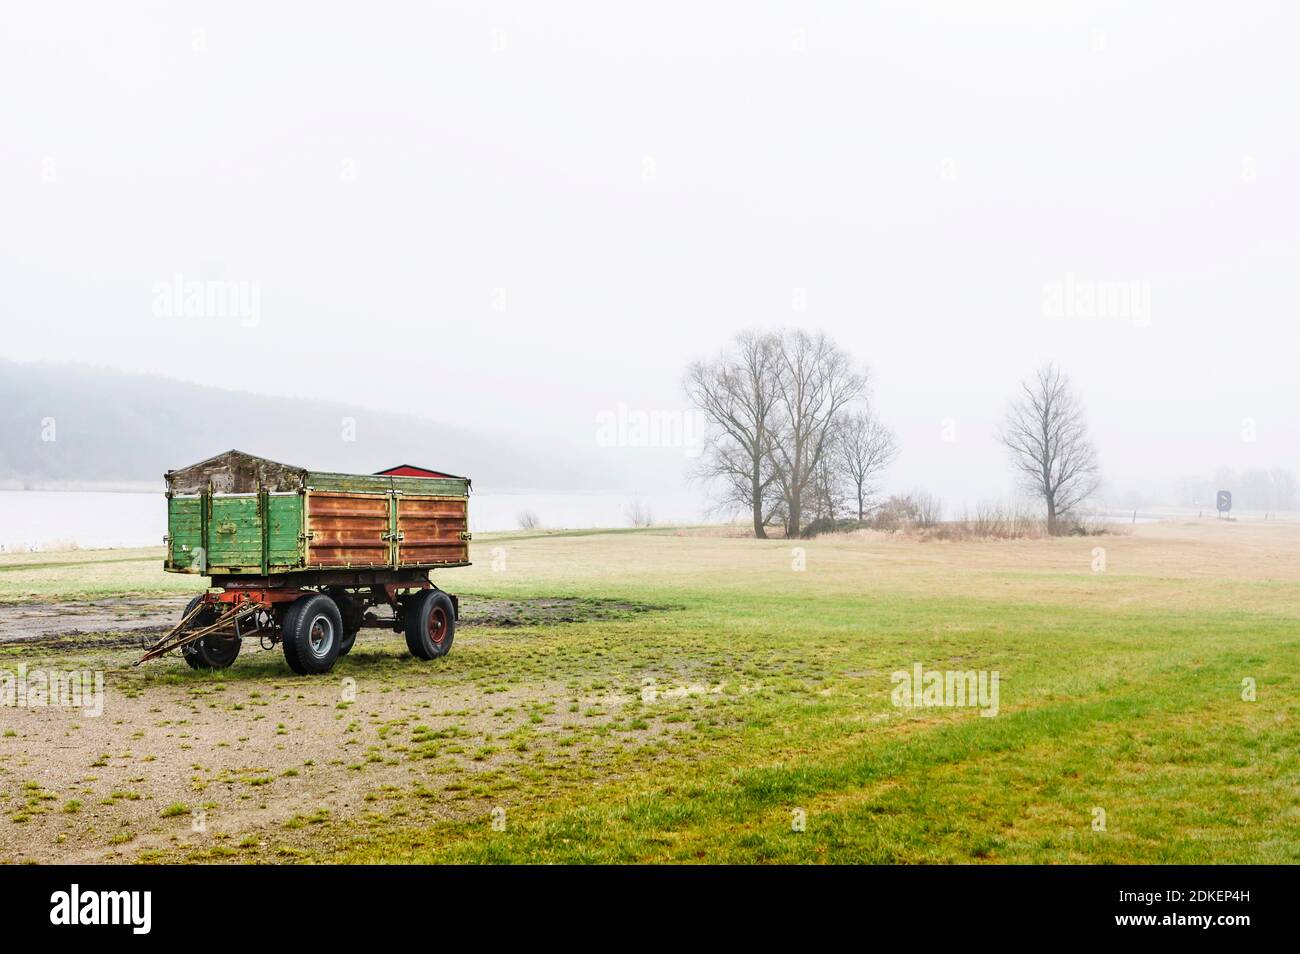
[(430, 624), (351, 614), (311, 633), (210, 652)]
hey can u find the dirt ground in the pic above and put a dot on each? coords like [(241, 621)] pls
[(189, 765), (115, 622)]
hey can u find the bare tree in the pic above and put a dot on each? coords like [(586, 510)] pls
[(737, 394), (1048, 440), (815, 381), (639, 514), (864, 447)]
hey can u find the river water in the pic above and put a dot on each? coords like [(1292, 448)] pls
[(45, 520)]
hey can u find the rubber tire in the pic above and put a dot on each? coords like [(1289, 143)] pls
[(296, 630), (209, 652), (418, 611), (351, 616), (287, 623)]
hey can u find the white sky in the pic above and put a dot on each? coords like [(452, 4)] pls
[(918, 170)]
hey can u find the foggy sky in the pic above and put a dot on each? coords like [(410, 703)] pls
[(514, 218)]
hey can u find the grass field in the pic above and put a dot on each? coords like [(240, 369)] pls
[(732, 697)]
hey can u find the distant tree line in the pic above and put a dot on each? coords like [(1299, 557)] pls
[(796, 443), (1255, 488)]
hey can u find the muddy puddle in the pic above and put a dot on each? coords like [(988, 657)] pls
[(114, 623)]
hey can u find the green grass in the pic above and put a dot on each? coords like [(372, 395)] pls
[(1120, 692), (1140, 716), (89, 574)]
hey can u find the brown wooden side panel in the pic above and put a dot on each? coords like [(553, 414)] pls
[(348, 529), (432, 530)]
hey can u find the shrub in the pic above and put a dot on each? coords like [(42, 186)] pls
[(918, 515), (897, 513)]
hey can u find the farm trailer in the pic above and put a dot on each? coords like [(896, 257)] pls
[(298, 557)]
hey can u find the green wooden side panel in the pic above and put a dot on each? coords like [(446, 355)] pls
[(262, 533), (184, 534), (235, 534), (373, 484), (431, 486), (283, 534)]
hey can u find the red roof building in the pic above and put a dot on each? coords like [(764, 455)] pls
[(407, 470)]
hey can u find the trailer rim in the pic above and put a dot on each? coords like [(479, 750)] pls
[(437, 625), (321, 636)]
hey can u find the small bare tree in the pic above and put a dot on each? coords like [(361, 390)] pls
[(864, 447), (639, 514), (737, 393), (1047, 436)]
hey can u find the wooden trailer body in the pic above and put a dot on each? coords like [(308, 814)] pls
[(239, 515)]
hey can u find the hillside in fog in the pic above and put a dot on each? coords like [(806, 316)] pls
[(73, 423)]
